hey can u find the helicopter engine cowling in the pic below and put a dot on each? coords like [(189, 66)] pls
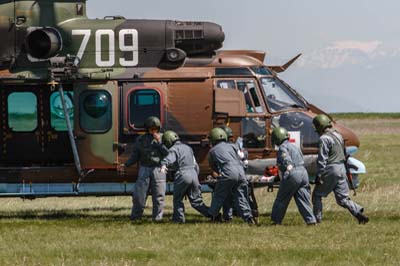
[(198, 38), (43, 43)]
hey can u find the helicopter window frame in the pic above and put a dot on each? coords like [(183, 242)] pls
[(108, 113), (233, 71), (13, 129), (128, 111), (298, 100), (52, 117), (258, 141), (251, 93)]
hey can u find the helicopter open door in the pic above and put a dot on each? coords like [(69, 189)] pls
[(96, 124)]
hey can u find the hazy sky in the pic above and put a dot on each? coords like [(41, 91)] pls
[(284, 28)]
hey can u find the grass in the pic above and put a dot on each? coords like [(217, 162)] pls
[(366, 115), (96, 231)]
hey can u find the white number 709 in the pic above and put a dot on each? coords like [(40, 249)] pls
[(123, 47)]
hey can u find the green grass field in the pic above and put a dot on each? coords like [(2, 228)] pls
[(96, 231)]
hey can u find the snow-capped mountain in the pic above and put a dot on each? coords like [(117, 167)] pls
[(346, 53), (349, 76)]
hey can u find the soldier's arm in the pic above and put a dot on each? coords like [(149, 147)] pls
[(164, 150), (212, 164), (285, 162), (323, 155), (169, 159)]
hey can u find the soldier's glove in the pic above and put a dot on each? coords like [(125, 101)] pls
[(318, 180), (164, 169)]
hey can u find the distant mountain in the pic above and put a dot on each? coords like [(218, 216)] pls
[(349, 76), (345, 53)]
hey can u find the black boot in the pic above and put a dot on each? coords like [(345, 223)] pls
[(216, 219), (362, 219)]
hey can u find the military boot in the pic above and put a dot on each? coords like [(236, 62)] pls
[(252, 222), (216, 219), (362, 219)]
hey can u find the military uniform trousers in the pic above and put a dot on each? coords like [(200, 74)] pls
[(227, 208), (334, 179), (294, 185), (224, 188), (187, 184), (153, 178)]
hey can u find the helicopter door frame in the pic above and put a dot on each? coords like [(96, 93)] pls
[(96, 124)]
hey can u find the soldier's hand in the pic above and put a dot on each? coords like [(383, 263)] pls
[(164, 169), (157, 136), (214, 174)]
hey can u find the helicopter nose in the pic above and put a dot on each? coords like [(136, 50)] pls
[(348, 135)]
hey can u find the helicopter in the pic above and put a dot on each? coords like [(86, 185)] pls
[(75, 92)]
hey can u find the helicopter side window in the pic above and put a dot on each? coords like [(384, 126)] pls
[(22, 111), (226, 84), (253, 131), (298, 122), (57, 119), (142, 104), (95, 111), (248, 88)]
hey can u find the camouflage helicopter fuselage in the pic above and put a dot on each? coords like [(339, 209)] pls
[(116, 72)]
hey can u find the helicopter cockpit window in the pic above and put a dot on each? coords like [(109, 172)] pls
[(301, 125), (253, 132), (235, 71), (57, 120), (261, 70), (142, 104), (278, 96), (95, 111), (249, 90), (22, 111)]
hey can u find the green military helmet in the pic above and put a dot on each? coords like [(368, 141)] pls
[(169, 138), (152, 122), (217, 134), (279, 134), (228, 131), (321, 122)]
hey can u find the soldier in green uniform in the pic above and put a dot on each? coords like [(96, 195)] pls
[(186, 182), (149, 152), (331, 171)]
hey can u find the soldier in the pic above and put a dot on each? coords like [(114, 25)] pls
[(186, 183), (227, 208), (294, 179), (225, 162), (149, 152), (331, 172)]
